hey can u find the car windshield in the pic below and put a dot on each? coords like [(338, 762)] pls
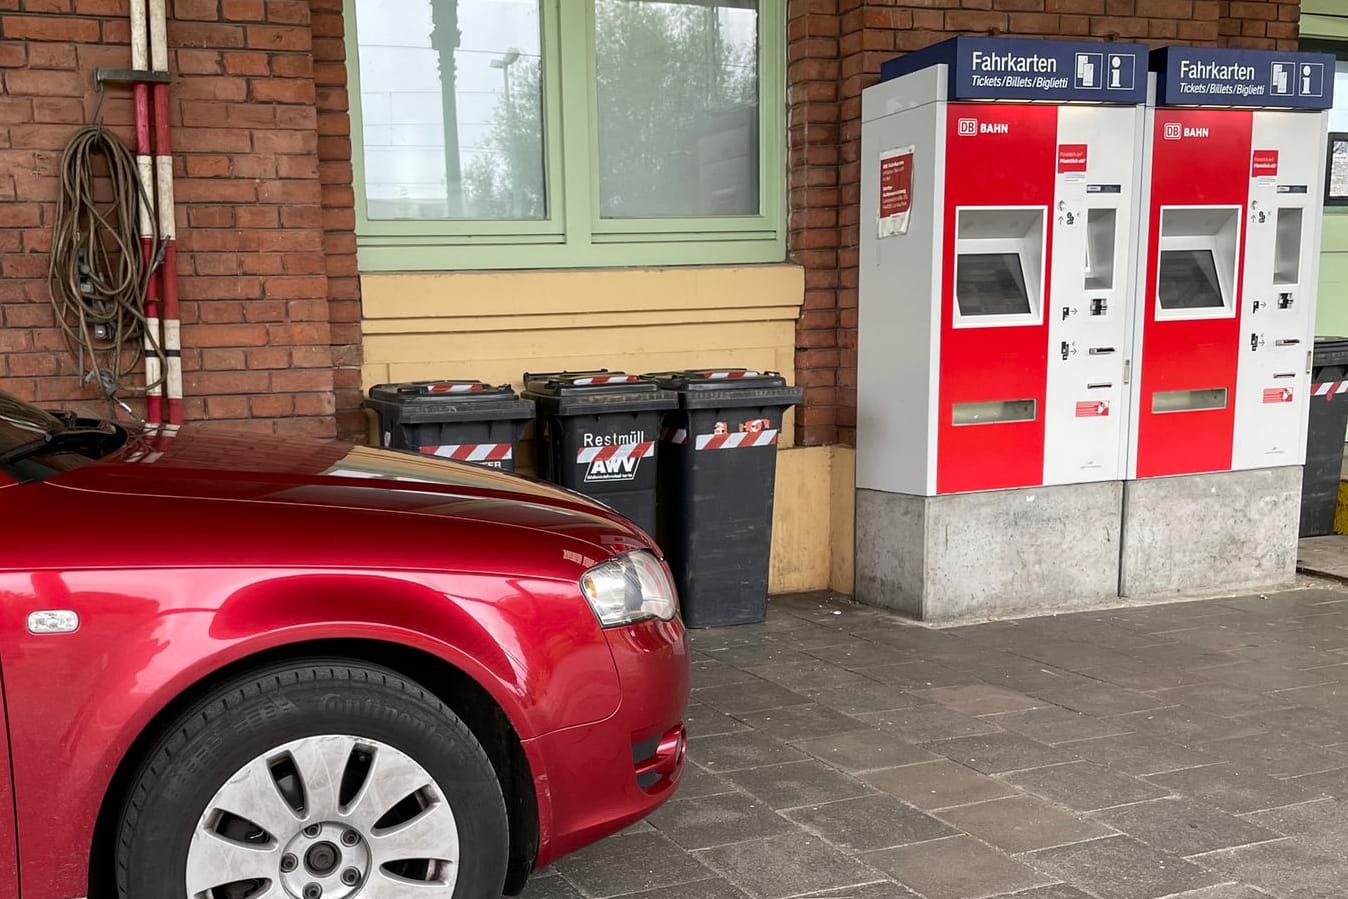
[(21, 423)]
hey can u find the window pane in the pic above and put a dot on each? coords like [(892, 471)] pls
[(1338, 116), (678, 107), (452, 102)]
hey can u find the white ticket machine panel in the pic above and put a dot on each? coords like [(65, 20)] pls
[(1230, 241), (999, 185)]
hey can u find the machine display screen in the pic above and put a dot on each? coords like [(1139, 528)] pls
[(991, 284), (1188, 280)]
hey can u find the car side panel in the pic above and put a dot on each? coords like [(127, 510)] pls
[(78, 701), (9, 838)]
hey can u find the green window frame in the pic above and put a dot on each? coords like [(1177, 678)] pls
[(574, 235)]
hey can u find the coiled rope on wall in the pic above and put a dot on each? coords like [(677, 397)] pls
[(98, 275)]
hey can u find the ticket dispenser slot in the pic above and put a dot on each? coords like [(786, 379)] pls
[(1101, 232), (1196, 271), (999, 266), (1287, 252)]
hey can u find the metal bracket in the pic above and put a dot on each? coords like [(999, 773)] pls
[(130, 76)]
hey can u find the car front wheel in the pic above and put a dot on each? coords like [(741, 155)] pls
[(321, 780)]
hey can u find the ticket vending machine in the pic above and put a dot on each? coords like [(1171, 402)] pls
[(999, 183), (1228, 267)]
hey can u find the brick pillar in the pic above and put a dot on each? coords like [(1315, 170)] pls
[(812, 71), (339, 213)]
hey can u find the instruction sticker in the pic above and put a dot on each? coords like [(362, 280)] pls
[(1264, 164), (896, 191), (1071, 158)]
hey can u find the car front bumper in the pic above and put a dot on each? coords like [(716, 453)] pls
[(595, 779)]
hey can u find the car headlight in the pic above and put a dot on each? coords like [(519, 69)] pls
[(628, 588)]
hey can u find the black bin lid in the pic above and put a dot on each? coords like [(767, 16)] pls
[(423, 402), (707, 388), (1330, 351), (441, 391), (586, 392)]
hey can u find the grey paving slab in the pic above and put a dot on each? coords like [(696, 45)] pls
[(1233, 789), (1184, 827), (551, 887), (777, 651), (1085, 786), (808, 677), (865, 750), (1053, 725), (803, 722), (981, 699), (1224, 891), (1056, 891), (1099, 699), (631, 862), (939, 784), (711, 673), (798, 783), (1326, 556), (1123, 868), (698, 782), (717, 820), (1288, 869), (955, 868), (1277, 755), (885, 889), (733, 752), (1023, 823), (705, 721), (1332, 698), (870, 822), (1140, 753), (715, 888), (922, 724), (919, 675), (751, 696), (999, 753), (1328, 783), (867, 697), (1223, 700), (1187, 726), (1314, 726), (1266, 677), (1136, 674), (861, 654), (796, 864)]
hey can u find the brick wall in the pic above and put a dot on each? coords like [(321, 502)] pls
[(835, 48), (262, 163)]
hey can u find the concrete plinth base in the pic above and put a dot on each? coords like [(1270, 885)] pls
[(971, 555), (1197, 534)]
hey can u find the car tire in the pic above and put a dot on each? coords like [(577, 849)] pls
[(276, 723)]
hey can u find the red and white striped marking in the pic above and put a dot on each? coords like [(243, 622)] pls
[(472, 452), (674, 435), (1274, 395), (455, 388), (591, 380), (1093, 409), (731, 374), (620, 451), (1329, 389), (766, 437)]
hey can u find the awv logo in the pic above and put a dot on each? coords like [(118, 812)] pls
[(614, 469), (967, 127)]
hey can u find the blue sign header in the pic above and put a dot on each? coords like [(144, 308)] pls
[(992, 68), (1201, 76)]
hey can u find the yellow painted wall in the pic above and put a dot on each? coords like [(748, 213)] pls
[(496, 325)]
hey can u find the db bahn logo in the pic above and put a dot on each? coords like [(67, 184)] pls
[(1173, 131), (968, 126)]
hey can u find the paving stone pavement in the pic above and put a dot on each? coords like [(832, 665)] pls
[(1194, 750)]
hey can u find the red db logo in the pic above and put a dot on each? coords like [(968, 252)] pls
[(968, 126), (1173, 131)]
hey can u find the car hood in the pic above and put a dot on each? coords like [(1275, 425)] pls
[(207, 463)]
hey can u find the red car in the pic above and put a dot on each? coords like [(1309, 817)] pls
[(245, 667)]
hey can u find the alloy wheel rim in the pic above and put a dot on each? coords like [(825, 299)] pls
[(330, 816)]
